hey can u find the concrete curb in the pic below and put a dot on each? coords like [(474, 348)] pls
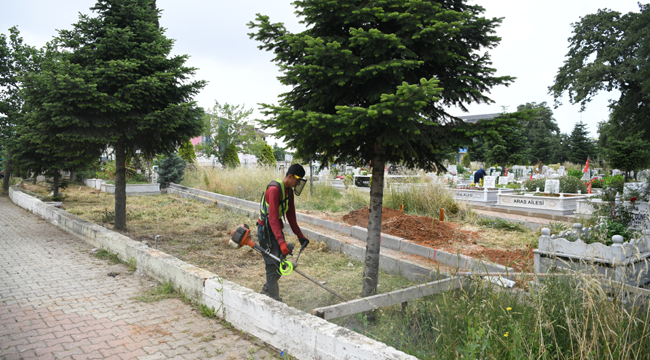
[(302, 335), (387, 241)]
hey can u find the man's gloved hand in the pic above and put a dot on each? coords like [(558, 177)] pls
[(286, 248), (303, 242)]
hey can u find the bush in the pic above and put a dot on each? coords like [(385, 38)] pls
[(616, 183), (266, 157), (568, 184), (186, 152), (466, 162), (574, 173), (230, 159), (171, 170)]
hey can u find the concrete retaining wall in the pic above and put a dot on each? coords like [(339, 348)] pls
[(300, 334), (134, 189), (387, 241)]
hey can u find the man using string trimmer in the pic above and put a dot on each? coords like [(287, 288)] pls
[(277, 202)]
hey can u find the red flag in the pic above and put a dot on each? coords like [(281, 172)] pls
[(531, 176), (586, 167)]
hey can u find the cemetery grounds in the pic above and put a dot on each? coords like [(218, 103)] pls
[(559, 317)]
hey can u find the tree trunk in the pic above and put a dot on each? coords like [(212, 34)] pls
[(5, 181), (371, 271), (73, 177), (120, 186), (311, 179), (55, 185)]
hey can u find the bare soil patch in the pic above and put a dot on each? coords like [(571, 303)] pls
[(442, 235)]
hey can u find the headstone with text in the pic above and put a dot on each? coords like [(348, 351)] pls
[(511, 177), (453, 169), (503, 180), (552, 186), (489, 181)]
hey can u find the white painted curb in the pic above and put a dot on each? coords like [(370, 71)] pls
[(300, 334)]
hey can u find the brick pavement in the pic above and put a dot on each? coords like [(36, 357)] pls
[(57, 302)]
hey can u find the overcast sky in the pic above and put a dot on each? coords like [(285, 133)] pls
[(214, 33)]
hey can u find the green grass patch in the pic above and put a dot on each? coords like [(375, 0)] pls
[(159, 292), (111, 257), (497, 223)]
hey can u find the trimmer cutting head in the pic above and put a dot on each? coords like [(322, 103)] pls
[(241, 237)]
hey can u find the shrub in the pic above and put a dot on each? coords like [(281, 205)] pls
[(574, 173), (266, 156), (171, 170), (230, 159), (568, 184), (186, 152), (466, 162)]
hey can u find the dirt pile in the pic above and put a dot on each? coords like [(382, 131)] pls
[(421, 229), (440, 235)]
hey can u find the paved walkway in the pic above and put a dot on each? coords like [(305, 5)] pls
[(57, 302)]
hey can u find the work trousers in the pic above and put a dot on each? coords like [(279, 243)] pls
[(271, 288)]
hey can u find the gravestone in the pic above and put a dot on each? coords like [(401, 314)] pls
[(586, 176), (503, 180), (489, 181), (561, 171), (552, 186), (511, 177), (544, 170), (453, 169), (616, 172)]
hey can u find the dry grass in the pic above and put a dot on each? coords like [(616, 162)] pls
[(503, 240), (198, 234)]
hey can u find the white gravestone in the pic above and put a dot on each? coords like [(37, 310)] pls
[(503, 180), (552, 186), (453, 169), (489, 181), (511, 177)]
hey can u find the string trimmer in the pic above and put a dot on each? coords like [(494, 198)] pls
[(241, 237)]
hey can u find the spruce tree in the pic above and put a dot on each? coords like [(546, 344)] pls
[(581, 146), (115, 85), (365, 79), (171, 170)]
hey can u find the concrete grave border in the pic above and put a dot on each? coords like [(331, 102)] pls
[(387, 241), (302, 335)]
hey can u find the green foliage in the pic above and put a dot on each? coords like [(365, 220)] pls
[(186, 152), (575, 173), (568, 184), (107, 255), (609, 51), (507, 144), (159, 292), (207, 311), (497, 223), (466, 162), (231, 160), (112, 82), (631, 154), (278, 153), (266, 157), (541, 133), (581, 146), (385, 55), (171, 170), (560, 318), (225, 125)]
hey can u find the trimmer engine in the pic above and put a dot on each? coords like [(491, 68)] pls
[(241, 237)]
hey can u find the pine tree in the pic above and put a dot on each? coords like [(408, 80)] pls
[(581, 146), (171, 170), (364, 82), (115, 85), (266, 158), (466, 162), (231, 160)]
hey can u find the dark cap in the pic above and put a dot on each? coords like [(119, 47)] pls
[(296, 169)]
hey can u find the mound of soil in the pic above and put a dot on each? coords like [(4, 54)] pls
[(421, 229), (431, 232)]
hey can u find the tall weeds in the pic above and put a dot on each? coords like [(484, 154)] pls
[(559, 318), (418, 197)]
